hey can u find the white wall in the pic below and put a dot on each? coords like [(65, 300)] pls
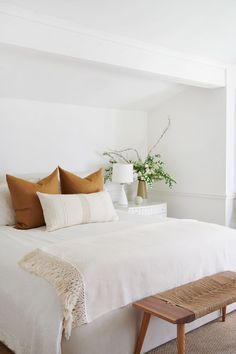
[(37, 136), (34, 75), (194, 151)]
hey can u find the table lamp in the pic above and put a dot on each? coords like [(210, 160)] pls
[(122, 173)]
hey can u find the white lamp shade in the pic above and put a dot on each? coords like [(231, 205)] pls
[(122, 173)]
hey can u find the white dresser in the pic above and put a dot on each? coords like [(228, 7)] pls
[(147, 208)]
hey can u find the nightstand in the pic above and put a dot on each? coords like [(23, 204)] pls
[(147, 208)]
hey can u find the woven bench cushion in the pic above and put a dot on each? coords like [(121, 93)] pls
[(205, 295)]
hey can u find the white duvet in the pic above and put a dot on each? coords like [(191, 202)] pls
[(185, 250)]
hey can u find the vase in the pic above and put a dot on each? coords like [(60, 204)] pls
[(142, 189)]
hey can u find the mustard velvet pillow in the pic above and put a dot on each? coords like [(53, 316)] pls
[(73, 184), (28, 210)]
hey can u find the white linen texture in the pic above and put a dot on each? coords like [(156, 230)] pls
[(31, 315), (7, 213), (64, 210), (120, 267)]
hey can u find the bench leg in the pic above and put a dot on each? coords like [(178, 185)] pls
[(223, 313), (181, 338), (143, 330)]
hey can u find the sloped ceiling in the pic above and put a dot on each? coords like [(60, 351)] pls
[(205, 28), (28, 74)]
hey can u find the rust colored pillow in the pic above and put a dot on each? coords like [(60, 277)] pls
[(73, 184), (29, 213)]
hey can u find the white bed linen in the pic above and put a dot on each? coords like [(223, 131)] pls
[(117, 331), (30, 314)]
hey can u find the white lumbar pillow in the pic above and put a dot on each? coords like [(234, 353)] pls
[(7, 213), (63, 210)]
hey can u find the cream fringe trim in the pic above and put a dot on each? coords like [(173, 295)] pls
[(67, 281)]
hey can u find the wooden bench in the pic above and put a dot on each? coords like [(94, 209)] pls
[(224, 294)]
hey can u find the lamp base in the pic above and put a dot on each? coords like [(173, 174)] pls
[(123, 201)]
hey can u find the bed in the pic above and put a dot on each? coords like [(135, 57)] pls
[(30, 311)]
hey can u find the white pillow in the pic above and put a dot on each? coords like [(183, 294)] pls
[(63, 210), (7, 213)]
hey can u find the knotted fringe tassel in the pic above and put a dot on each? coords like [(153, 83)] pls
[(67, 281)]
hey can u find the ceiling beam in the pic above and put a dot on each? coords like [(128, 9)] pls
[(54, 36)]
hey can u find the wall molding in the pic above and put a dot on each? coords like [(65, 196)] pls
[(194, 195)]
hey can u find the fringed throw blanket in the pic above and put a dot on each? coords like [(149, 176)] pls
[(66, 279), (94, 275)]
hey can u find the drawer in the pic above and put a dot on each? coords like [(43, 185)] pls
[(149, 210)]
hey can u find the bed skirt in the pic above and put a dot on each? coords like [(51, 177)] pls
[(117, 331)]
